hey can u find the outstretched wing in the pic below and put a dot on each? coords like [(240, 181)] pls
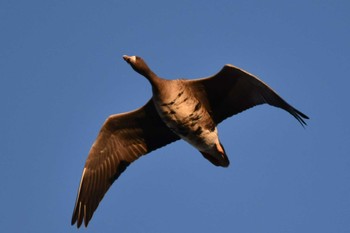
[(123, 138), (234, 90)]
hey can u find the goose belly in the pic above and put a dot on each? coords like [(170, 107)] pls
[(189, 120)]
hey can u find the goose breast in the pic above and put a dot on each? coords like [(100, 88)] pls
[(184, 114)]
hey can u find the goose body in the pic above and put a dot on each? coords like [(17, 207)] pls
[(179, 109), (182, 112)]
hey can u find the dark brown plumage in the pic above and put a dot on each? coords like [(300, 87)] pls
[(187, 109)]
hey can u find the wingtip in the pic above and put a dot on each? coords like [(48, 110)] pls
[(79, 223), (74, 218), (300, 117)]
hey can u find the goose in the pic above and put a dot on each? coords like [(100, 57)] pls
[(179, 109)]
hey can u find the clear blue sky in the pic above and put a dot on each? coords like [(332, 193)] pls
[(62, 74)]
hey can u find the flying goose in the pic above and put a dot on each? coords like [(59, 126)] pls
[(179, 109)]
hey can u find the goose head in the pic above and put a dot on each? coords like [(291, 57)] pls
[(139, 65)]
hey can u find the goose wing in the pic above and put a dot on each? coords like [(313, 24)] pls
[(122, 139), (234, 90)]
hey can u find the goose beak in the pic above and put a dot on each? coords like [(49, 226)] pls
[(130, 59)]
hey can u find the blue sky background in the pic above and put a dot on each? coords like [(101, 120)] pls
[(62, 74)]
